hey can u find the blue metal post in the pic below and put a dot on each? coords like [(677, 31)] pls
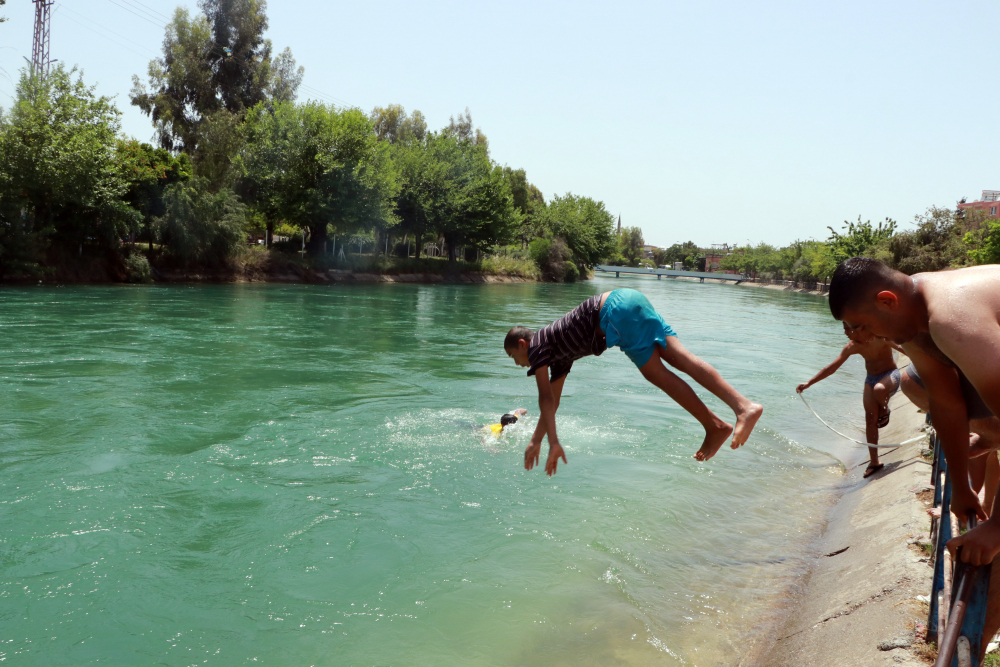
[(943, 535), (975, 614)]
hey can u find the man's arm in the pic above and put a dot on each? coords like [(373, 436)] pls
[(951, 422), (973, 343), (549, 394), (831, 368), (974, 346)]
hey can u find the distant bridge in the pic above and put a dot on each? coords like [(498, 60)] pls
[(659, 273)]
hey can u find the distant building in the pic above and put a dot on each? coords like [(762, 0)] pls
[(714, 257), (647, 251), (990, 202)]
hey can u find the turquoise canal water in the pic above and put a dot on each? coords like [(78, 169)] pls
[(290, 475)]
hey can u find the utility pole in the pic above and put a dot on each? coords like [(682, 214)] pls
[(43, 30)]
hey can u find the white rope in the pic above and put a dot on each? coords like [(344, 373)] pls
[(863, 444)]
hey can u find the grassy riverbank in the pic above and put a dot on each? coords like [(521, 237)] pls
[(138, 264)]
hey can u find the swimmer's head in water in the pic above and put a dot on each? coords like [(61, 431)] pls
[(516, 345), (508, 419)]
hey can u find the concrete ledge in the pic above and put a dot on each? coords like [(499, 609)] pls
[(865, 594)]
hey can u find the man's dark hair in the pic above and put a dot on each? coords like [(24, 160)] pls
[(508, 419), (516, 334), (857, 280)]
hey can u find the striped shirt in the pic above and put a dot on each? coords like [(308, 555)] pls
[(574, 335)]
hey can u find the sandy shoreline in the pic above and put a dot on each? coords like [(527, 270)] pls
[(861, 589)]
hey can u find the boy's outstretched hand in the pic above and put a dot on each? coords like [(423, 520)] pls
[(531, 455), (555, 453)]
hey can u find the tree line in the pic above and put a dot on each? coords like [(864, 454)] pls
[(940, 238), (237, 157)]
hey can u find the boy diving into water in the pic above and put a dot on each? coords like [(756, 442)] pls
[(622, 317), (882, 382)]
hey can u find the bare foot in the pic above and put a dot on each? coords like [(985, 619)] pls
[(872, 469), (745, 421), (715, 437)]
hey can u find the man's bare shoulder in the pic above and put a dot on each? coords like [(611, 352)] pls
[(954, 296), (962, 305)]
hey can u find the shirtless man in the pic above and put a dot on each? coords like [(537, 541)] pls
[(984, 440), (949, 326), (882, 382)]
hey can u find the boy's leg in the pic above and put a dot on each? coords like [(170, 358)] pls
[(881, 393), (747, 412), (716, 430), (913, 391), (871, 428)]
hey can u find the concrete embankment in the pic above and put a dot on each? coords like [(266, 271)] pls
[(859, 600), (784, 288)]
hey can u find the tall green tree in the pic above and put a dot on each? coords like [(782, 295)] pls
[(418, 180), (148, 171), (60, 180), (858, 237), (529, 202), (313, 166), (630, 244), (215, 63), (469, 201), (201, 226), (585, 225), (393, 124), (463, 129)]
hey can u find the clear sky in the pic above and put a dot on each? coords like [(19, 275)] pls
[(706, 121)]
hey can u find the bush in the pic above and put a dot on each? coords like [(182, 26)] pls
[(137, 269), (552, 257), (943, 238), (510, 266), (985, 245), (200, 226), (570, 273), (538, 250)]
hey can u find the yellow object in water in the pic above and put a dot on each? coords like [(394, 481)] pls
[(495, 429)]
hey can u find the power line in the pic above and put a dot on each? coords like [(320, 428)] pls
[(158, 25), (323, 96), (146, 54), (149, 10)]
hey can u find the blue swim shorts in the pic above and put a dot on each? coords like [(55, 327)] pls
[(629, 321), (894, 375)]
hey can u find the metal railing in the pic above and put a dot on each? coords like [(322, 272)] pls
[(958, 591)]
